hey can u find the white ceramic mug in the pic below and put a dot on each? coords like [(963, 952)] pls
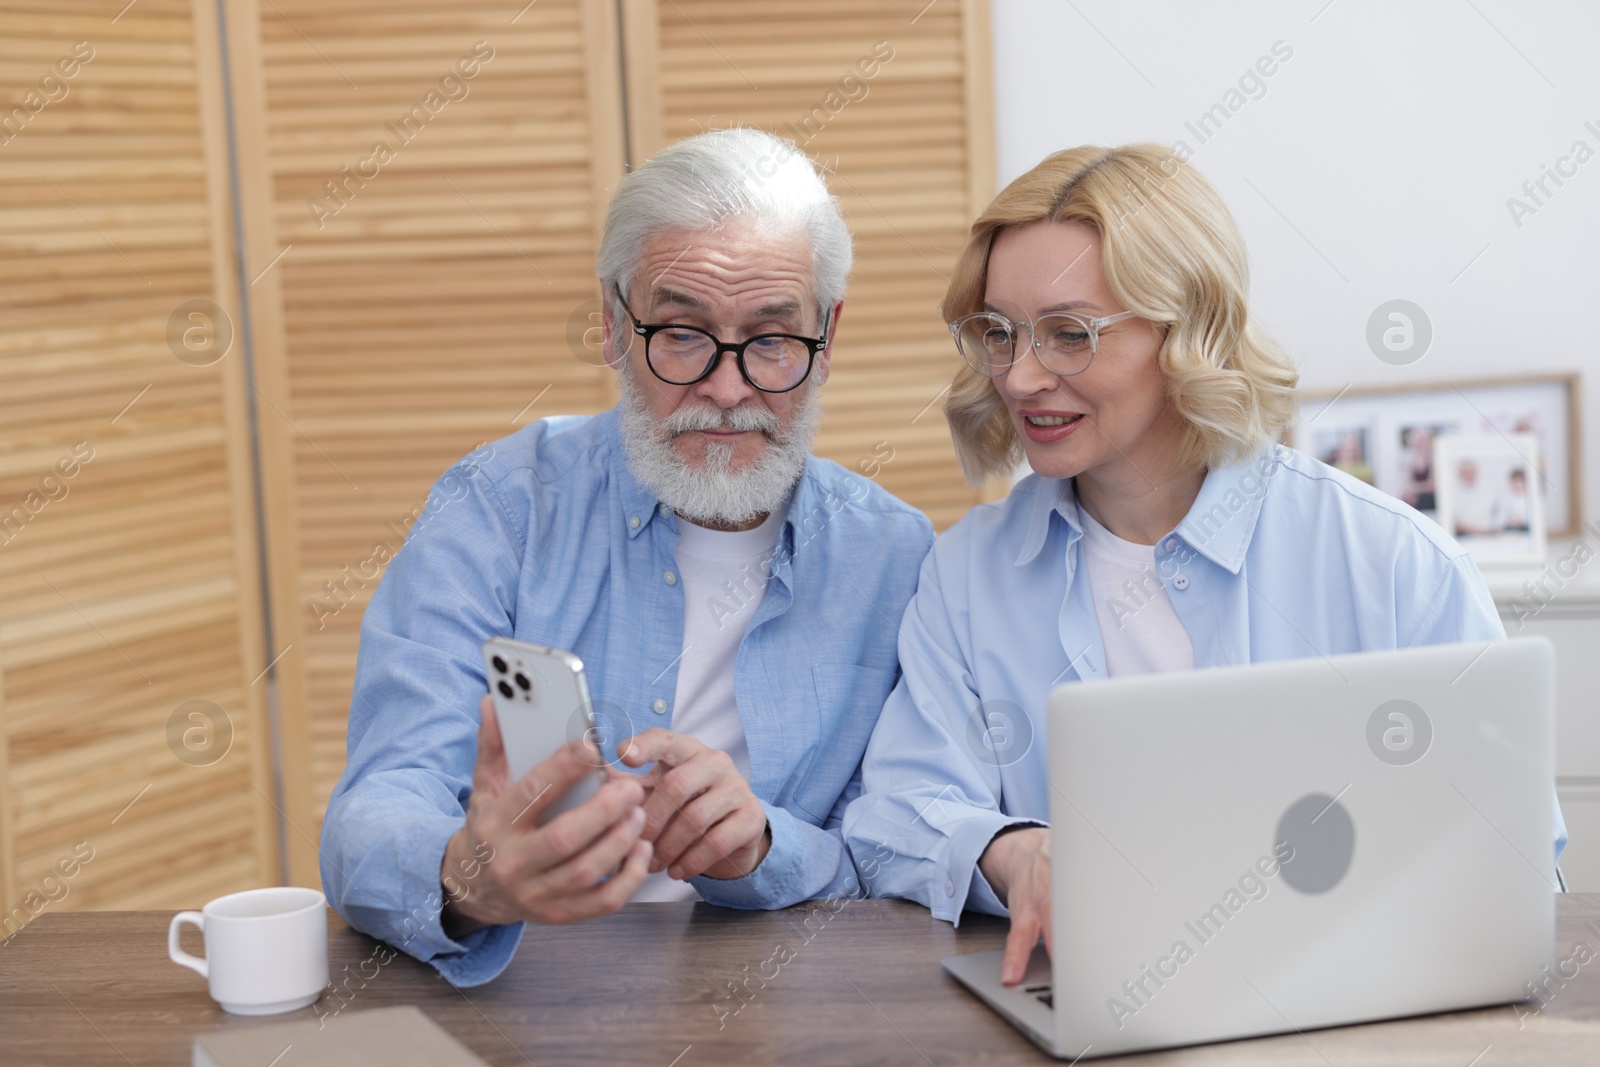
[(266, 949)]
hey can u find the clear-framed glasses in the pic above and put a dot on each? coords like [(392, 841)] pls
[(683, 355), (1065, 343)]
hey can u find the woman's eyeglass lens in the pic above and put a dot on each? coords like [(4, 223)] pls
[(1064, 343)]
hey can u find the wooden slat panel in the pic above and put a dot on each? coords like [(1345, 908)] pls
[(130, 587), (910, 149), (420, 305)]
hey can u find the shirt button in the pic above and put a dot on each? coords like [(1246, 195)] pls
[(633, 523), (665, 511), (949, 889), (659, 707), (1171, 545), (672, 579), (1181, 582)]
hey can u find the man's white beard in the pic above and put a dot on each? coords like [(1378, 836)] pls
[(716, 494)]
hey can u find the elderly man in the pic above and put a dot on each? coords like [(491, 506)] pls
[(730, 594)]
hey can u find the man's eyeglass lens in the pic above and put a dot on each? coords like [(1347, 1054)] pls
[(773, 362)]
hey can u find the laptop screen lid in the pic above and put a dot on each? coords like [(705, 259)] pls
[(1289, 845)]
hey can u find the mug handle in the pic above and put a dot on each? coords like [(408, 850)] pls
[(194, 963)]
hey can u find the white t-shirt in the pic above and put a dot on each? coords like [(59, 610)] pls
[(724, 576), (1138, 625)]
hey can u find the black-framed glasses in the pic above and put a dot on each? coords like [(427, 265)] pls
[(1065, 343), (684, 355)]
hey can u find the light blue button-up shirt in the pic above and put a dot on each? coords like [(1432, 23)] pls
[(550, 540), (1280, 557)]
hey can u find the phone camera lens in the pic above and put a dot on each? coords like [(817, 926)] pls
[(499, 664), (522, 680), (506, 691)]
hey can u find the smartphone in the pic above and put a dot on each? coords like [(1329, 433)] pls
[(541, 697)]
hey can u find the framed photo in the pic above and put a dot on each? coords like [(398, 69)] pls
[(1348, 446), (1489, 496), (1388, 436)]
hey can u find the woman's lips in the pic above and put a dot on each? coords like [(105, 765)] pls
[(1058, 429)]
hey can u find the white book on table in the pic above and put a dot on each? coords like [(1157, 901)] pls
[(394, 1037)]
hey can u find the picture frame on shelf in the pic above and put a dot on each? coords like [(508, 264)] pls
[(1490, 497), (1387, 436)]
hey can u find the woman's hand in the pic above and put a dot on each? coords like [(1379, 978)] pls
[(1017, 865)]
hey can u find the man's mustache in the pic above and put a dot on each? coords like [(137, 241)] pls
[(744, 417)]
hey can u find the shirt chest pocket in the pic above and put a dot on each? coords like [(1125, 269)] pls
[(827, 739)]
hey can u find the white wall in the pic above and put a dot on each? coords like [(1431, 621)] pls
[(1390, 140)]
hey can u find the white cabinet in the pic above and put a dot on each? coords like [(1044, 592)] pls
[(1569, 615)]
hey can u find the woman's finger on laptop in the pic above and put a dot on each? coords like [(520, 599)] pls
[(1024, 935)]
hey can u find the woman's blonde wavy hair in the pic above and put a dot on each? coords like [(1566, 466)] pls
[(1172, 254)]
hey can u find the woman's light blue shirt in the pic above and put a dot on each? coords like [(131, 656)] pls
[(1280, 557)]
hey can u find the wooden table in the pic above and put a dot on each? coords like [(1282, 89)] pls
[(654, 986)]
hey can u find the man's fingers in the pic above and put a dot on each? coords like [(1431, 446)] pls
[(676, 790), (679, 834), (718, 844), (661, 808), (694, 821), (625, 883), (636, 751), (613, 772), (681, 831), (545, 782), (571, 832), (613, 893), (583, 871), (490, 774), (1019, 946), (656, 744)]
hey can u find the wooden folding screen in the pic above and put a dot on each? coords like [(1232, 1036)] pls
[(424, 185), (417, 190), (435, 278), (134, 762), (894, 98)]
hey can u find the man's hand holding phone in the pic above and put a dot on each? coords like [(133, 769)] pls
[(701, 816), (503, 866)]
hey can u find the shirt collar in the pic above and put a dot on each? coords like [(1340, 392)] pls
[(1051, 496), (1219, 525), (1222, 520), (638, 503), (807, 498)]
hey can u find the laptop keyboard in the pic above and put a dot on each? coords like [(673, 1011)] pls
[(1043, 993)]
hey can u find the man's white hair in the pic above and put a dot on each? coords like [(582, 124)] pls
[(697, 183)]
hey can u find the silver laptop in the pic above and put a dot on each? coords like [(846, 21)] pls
[(1254, 850)]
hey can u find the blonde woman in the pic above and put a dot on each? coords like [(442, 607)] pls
[(1100, 308)]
